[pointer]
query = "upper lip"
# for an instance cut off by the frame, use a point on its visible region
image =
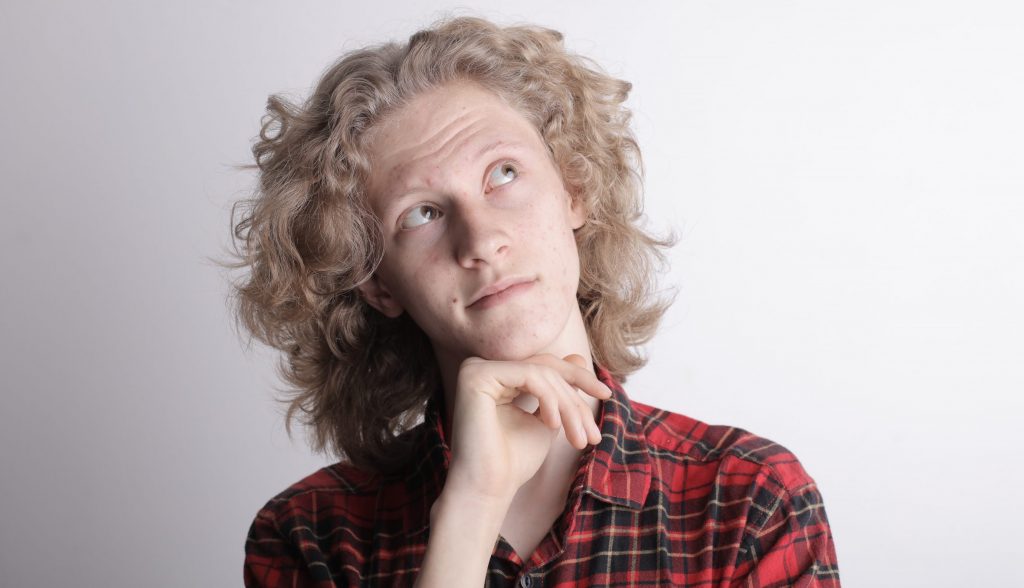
(496, 287)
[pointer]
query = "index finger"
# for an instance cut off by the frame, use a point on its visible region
(573, 370)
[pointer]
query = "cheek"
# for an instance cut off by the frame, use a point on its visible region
(421, 284)
(551, 233)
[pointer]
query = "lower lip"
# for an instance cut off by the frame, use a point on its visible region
(499, 297)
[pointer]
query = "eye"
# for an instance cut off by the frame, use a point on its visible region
(420, 215)
(502, 174)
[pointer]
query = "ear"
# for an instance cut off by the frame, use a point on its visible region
(577, 211)
(377, 295)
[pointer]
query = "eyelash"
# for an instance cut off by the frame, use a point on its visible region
(487, 190)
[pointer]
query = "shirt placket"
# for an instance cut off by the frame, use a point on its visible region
(530, 572)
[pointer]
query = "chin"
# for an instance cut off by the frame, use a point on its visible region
(509, 351)
(520, 342)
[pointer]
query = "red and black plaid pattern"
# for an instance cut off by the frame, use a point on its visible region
(664, 500)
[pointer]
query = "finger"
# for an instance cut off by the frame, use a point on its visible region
(572, 373)
(576, 434)
(560, 397)
(545, 388)
(544, 380)
(580, 361)
(593, 433)
(576, 359)
(552, 408)
(555, 406)
(575, 374)
(545, 416)
(596, 434)
(588, 431)
(593, 430)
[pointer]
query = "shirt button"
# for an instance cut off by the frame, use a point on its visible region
(526, 581)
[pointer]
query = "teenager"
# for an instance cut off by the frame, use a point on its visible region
(445, 243)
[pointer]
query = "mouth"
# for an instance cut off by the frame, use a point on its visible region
(499, 291)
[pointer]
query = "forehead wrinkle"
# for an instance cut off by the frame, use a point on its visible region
(394, 180)
(405, 173)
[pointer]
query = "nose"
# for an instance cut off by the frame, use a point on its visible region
(480, 237)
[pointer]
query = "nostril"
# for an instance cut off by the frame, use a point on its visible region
(482, 248)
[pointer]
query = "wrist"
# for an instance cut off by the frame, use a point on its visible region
(483, 508)
(463, 531)
(483, 490)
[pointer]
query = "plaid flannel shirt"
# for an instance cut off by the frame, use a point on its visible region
(663, 500)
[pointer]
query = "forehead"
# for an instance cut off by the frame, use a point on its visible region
(447, 126)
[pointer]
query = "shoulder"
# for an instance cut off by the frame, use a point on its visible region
(319, 525)
(340, 479)
(767, 509)
(337, 489)
(678, 437)
(333, 493)
(338, 496)
(295, 535)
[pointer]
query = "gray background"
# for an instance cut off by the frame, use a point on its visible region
(846, 178)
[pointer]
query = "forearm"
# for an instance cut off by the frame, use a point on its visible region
(462, 536)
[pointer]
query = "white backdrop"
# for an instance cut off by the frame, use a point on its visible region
(846, 179)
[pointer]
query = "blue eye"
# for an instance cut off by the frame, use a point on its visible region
(503, 174)
(420, 215)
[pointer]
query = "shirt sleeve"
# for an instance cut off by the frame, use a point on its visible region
(790, 546)
(271, 561)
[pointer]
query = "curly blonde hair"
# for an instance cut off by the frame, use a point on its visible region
(308, 237)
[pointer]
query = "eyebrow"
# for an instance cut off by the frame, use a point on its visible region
(485, 150)
(494, 146)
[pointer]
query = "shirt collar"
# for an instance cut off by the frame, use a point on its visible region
(616, 471)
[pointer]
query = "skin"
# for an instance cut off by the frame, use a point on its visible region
(427, 154)
(469, 197)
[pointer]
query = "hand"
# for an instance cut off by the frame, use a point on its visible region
(496, 445)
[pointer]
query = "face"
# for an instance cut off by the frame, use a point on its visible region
(478, 227)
